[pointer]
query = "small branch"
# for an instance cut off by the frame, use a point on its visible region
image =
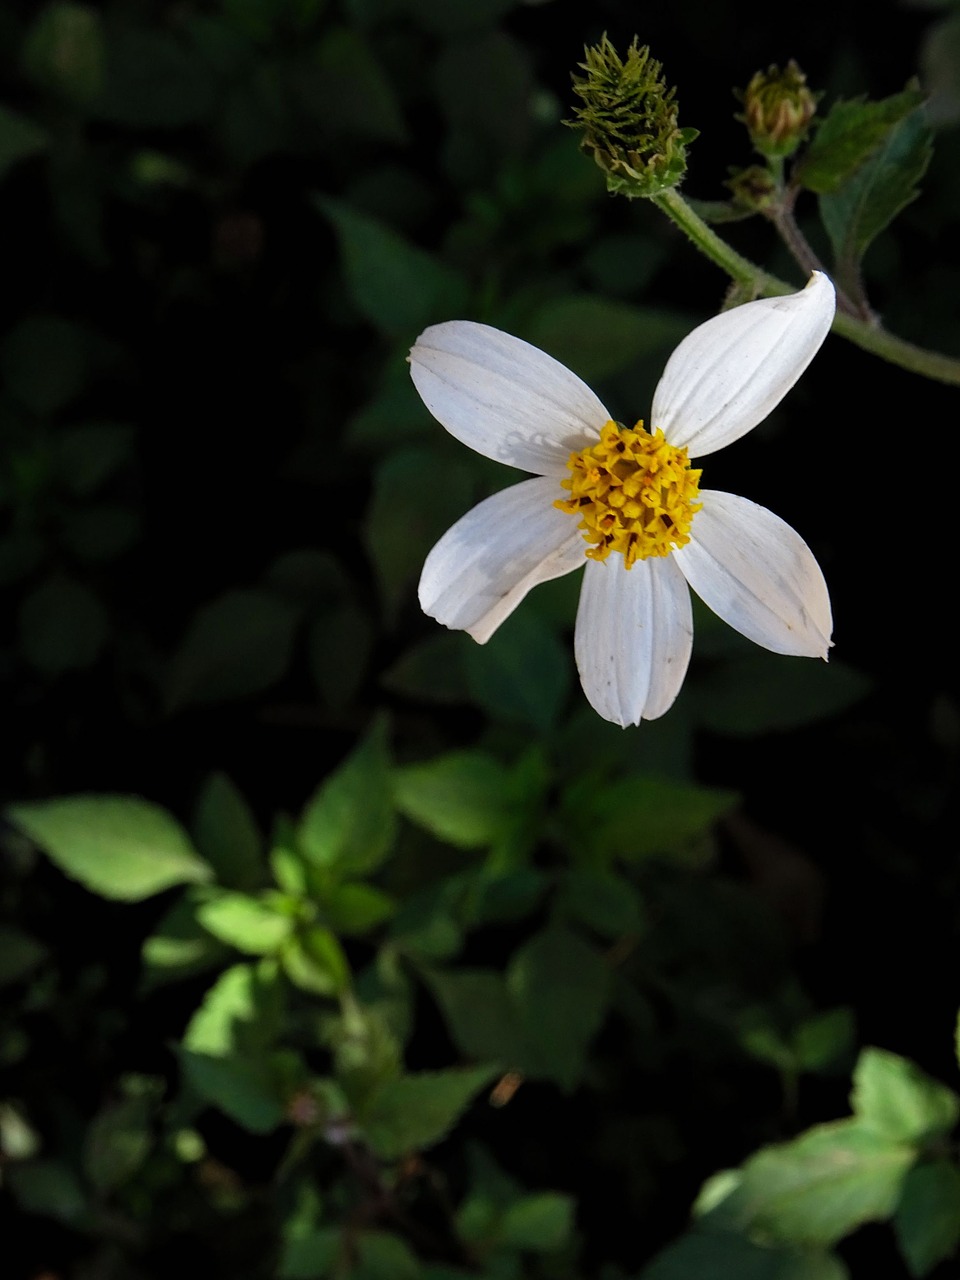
(868, 335)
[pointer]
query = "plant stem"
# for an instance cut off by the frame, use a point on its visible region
(869, 336)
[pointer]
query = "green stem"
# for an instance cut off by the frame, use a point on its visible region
(870, 337)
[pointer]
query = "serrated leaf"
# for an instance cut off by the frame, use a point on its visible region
(227, 834)
(252, 925)
(927, 1221)
(818, 1188)
(237, 645)
(848, 135)
(462, 798)
(893, 1097)
(867, 202)
(349, 824)
(416, 1111)
(397, 286)
(118, 846)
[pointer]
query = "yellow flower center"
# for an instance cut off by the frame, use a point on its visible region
(633, 492)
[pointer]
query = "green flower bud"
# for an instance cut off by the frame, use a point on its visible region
(629, 120)
(777, 110)
(753, 188)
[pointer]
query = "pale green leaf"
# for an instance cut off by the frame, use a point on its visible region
(893, 1097)
(118, 846)
(253, 925)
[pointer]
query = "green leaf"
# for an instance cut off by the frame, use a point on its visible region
(865, 205)
(44, 361)
(179, 946)
(818, 1188)
(349, 824)
(309, 1254)
(357, 908)
(153, 80)
(119, 1138)
(63, 52)
(597, 337)
(237, 645)
(227, 834)
(252, 925)
(523, 674)
(19, 138)
(432, 670)
(401, 526)
(62, 626)
(382, 1256)
(463, 798)
(540, 1223)
(48, 1188)
(894, 1098)
(339, 645)
(848, 135)
(638, 817)
(927, 1221)
(398, 287)
(19, 954)
(85, 457)
(762, 692)
(561, 989)
(607, 903)
(480, 1014)
(722, 1255)
(117, 846)
(416, 1111)
(315, 962)
(342, 87)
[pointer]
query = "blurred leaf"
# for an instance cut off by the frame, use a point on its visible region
(342, 87)
(44, 361)
(237, 645)
(605, 902)
(637, 817)
(266, 20)
(357, 908)
(540, 1223)
(152, 80)
(598, 337)
(179, 946)
(818, 1188)
(824, 1040)
(310, 1253)
(432, 669)
(349, 823)
(47, 1187)
(764, 692)
(865, 205)
(62, 626)
(227, 834)
(315, 962)
(927, 1221)
(63, 52)
(118, 846)
(848, 135)
(462, 798)
(523, 674)
(416, 1111)
(448, 19)
(397, 286)
(118, 1138)
(85, 457)
(722, 1255)
(480, 1014)
(895, 1099)
(250, 924)
(225, 1047)
(484, 128)
(100, 532)
(19, 138)
(417, 495)
(561, 988)
(339, 647)
(20, 953)
(382, 1256)
(939, 61)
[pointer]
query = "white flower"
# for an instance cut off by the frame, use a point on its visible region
(646, 531)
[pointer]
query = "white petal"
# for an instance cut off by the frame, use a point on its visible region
(503, 397)
(758, 575)
(728, 374)
(485, 564)
(633, 637)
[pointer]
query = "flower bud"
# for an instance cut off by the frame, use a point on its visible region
(753, 189)
(777, 109)
(629, 120)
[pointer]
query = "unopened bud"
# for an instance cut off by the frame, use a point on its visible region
(629, 120)
(777, 109)
(753, 189)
